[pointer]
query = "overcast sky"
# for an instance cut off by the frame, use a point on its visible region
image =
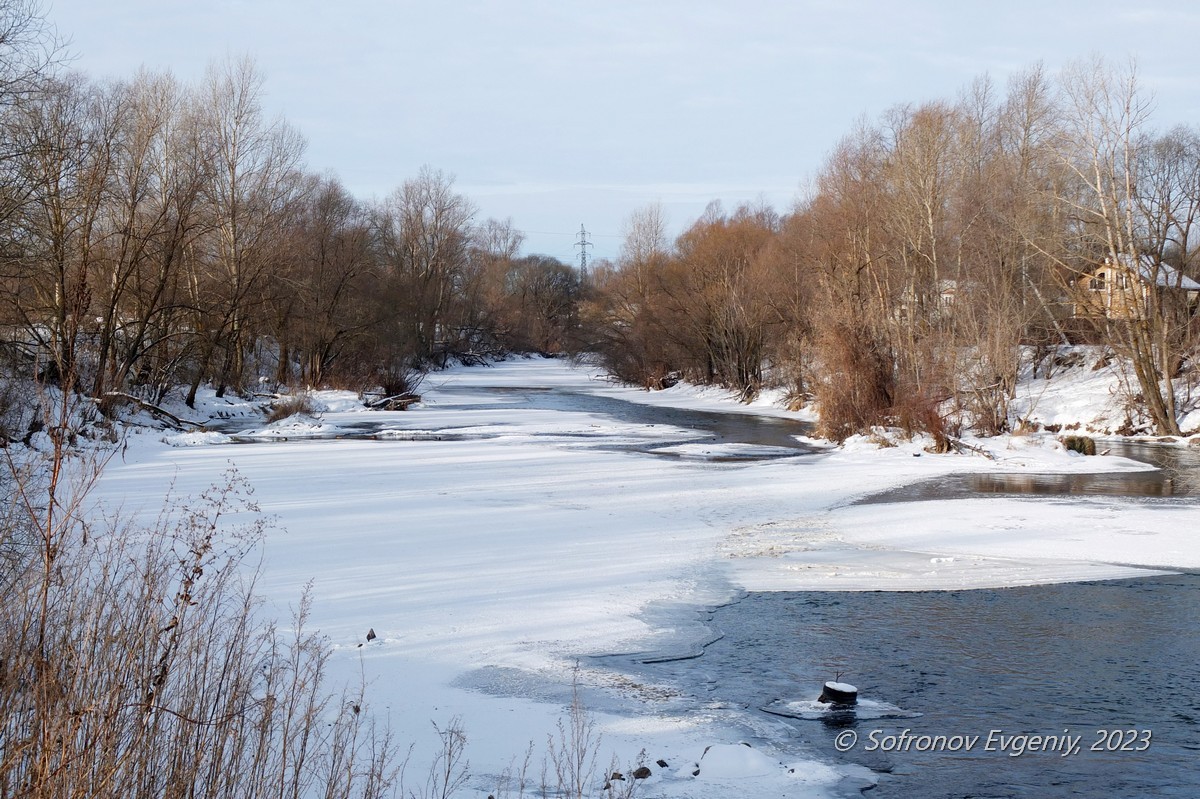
(558, 113)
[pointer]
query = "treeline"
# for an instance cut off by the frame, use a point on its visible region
(155, 234)
(938, 244)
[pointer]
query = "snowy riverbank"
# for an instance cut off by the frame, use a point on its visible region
(490, 545)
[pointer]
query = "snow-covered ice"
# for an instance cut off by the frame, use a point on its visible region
(729, 451)
(490, 539)
(198, 438)
(814, 710)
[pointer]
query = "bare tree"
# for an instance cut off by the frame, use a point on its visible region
(29, 56)
(425, 232)
(29, 50)
(68, 137)
(149, 224)
(485, 312)
(1168, 202)
(322, 293)
(1106, 114)
(645, 246)
(254, 182)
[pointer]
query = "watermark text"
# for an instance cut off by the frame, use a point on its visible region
(1063, 744)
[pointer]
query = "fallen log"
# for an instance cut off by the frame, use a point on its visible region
(961, 447)
(163, 413)
(397, 402)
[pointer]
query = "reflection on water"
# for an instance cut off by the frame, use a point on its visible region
(1178, 475)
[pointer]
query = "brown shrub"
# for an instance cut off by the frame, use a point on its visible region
(291, 405)
(916, 412)
(1084, 445)
(857, 388)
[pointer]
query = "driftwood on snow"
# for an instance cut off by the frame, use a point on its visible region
(397, 402)
(960, 446)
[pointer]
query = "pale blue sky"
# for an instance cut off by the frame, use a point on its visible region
(562, 112)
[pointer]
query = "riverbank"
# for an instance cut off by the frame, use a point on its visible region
(491, 543)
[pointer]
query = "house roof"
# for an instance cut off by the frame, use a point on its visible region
(1162, 274)
(1168, 276)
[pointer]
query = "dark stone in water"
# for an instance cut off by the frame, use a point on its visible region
(838, 693)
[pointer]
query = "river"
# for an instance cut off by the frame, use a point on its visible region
(1055, 660)
(1110, 669)
(1072, 659)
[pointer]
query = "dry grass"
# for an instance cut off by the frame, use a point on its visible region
(292, 405)
(136, 663)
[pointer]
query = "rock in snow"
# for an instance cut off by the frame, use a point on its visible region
(733, 761)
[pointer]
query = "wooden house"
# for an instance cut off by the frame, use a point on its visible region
(1118, 290)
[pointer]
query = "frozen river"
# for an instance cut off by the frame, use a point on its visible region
(1109, 668)
(528, 516)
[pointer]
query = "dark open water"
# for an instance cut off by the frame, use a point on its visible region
(1084, 657)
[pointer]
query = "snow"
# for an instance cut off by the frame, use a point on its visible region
(731, 451)
(730, 770)
(210, 406)
(299, 426)
(735, 761)
(1150, 268)
(491, 547)
(706, 398)
(1087, 394)
(197, 438)
(863, 710)
(844, 687)
(338, 401)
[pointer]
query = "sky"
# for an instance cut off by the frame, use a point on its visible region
(559, 113)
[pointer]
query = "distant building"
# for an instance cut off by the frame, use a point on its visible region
(1117, 290)
(944, 308)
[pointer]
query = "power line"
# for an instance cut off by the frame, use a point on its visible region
(583, 244)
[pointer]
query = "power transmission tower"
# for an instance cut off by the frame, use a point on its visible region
(583, 244)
